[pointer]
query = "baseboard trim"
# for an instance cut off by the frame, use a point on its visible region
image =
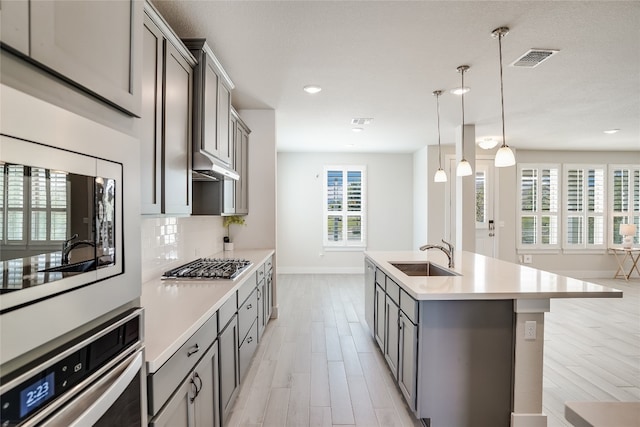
(320, 270)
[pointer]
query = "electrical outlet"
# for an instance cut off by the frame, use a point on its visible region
(530, 330)
(528, 259)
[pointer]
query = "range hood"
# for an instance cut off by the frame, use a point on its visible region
(209, 168)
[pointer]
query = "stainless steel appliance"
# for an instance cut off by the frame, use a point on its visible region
(97, 379)
(60, 219)
(209, 269)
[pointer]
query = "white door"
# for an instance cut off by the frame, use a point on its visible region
(485, 202)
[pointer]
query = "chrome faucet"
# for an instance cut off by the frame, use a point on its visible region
(448, 251)
(67, 247)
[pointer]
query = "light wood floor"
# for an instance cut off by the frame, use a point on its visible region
(318, 366)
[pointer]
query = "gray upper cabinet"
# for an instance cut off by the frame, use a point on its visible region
(212, 103)
(167, 83)
(241, 162)
(93, 44)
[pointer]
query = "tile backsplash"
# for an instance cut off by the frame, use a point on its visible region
(170, 241)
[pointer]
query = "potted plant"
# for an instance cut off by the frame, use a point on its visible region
(228, 220)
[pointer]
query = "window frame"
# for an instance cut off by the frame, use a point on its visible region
(585, 214)
(345, 244)
(538, 213)
(632, 214)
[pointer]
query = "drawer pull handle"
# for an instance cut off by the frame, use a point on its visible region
(193, 350)
(249, 340)
(249, 306)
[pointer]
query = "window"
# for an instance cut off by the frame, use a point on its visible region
(624, 200)
(584, 207)
(481, 197)
(344, 206)
(538, 206)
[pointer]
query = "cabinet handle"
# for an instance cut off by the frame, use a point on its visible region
(249, 340)
(193, 350)
(259, 294)
(198, 389)
(195, 391)
(249, 306)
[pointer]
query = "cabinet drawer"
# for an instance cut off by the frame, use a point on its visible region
(268, 266)
(248, 349)
(247, 314)
(260, 274)
(246, 288)
(163, 382)
(380, 278)
(226, 312)
(393, 290)
(409, 306)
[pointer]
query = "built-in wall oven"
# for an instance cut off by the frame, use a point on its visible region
(97, 379)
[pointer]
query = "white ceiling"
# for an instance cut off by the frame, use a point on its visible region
(383, 59)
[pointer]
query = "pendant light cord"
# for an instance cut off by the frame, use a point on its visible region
(439, 150)
(462, 73)
(504, 141)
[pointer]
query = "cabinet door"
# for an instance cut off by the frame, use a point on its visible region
(151, 119)
(210, 114)
(177, 133)
(369, 292)
(407, 363)
(14, 25)
(242, 167)
(207, 403)
(379, 317)
(95, 44)
(269, 299)
(391, 335)
(179, 410)
(225, 147)
(262, 308)
(229, 367)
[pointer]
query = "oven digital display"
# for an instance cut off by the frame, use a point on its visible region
(36, 394)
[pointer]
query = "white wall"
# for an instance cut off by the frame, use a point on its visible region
(420, 192)
(299, 223)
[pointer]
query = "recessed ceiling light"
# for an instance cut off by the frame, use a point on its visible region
(357, 129)
(312, 89)
(612, 131)
(460, 90)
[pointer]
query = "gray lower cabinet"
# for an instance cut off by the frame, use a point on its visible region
(166, 120)
(369, 292)
(229, 367)
(407, 358)
(379, 313)
(391, 341)
(194, 404)
(104, 61)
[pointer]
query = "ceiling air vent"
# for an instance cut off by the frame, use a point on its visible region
(534, 57)
(360, 122)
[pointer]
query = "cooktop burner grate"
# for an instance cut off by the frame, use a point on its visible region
(208, 269)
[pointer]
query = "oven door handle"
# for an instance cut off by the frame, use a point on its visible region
(118, 385)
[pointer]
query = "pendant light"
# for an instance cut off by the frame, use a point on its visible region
(504, 156)
(464, 167)
(441, 175)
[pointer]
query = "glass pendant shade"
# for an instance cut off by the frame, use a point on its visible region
(504, 157)
(464, 168)
(440, 176)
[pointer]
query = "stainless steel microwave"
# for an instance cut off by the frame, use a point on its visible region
(60, 221)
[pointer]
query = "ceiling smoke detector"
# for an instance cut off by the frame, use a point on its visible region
(360, 122)
(534, 57)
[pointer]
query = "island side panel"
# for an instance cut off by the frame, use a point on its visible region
(529, 361)
(466, 362)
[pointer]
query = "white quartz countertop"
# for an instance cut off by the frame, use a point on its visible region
(175, 309)
(483, 277)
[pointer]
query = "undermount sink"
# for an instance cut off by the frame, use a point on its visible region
(422, 269)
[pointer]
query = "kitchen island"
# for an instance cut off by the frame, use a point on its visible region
(465, 344)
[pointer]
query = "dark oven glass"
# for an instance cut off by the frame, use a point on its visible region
(126, 410)
(53, 224)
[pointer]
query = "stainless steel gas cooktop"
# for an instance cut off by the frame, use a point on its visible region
(209, 269)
